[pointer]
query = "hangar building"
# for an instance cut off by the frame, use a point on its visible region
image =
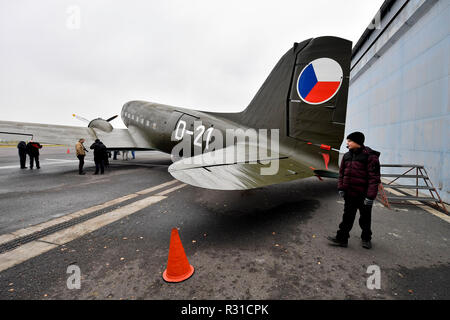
(399, 87)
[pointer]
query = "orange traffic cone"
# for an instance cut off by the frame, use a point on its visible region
(178, 267)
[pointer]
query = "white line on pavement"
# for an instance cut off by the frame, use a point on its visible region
(39, 227)
(35, 248)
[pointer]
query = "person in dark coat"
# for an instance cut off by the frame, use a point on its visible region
(100, 154)
(33, 153)
(359, 177)
(22, 147)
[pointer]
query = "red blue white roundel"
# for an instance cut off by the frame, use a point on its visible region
(319, 81)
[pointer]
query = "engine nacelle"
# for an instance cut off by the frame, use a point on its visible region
(100, 124)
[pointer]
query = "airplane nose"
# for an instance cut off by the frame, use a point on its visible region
(131, 104)
(135, 110)
(126, 111)
(126, 106)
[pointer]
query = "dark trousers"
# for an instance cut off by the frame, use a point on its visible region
(99, 165)
(352, 204)
(23, 159)
(81, 163)
(34, 159)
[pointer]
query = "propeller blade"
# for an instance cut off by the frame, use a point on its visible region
(112, 118)
(80, 118)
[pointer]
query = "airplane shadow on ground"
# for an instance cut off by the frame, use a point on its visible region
(113, 168)
(275, 213)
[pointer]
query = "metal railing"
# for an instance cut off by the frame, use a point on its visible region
(413, 171)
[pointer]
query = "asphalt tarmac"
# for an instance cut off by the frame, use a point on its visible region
(267, 243)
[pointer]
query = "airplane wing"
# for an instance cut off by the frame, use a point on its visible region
(213, 171)
(130, 138)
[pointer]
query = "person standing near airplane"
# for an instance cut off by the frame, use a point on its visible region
(22, 146)
(99, 156)
(33, 152)
(359, 177)
(81, 153)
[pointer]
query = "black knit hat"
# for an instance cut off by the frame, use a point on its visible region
(357, 137)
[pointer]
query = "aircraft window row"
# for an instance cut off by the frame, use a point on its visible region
(138, 119)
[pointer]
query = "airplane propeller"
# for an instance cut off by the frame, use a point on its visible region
(112, 118)
(80, 118)
(99, 123)
(87, 121)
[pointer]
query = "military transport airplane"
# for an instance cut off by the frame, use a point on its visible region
(304, 98)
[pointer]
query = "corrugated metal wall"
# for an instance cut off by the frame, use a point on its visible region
(401, 101)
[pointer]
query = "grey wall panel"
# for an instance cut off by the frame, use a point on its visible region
(401, 100)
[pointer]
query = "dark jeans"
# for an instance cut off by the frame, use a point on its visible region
(81, 164)
(352, 204)
(36, 159)
(99, 164)
(23, 159)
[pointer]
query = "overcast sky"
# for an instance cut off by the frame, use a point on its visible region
(90, 57)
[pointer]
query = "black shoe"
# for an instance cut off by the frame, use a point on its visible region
(95, 173)
(367, 244)
(337, 242)
(23, 167)
(38, 167)
(31, 168)
(82, 173)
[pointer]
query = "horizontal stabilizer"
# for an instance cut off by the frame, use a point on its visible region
(206, 171)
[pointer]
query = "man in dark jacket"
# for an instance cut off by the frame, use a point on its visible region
(100, 154)
(22, 146)
(359, 177)
(33, 152)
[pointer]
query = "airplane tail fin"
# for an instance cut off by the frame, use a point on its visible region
(305, 95)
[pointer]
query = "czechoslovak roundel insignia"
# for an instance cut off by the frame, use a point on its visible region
(319, 81)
